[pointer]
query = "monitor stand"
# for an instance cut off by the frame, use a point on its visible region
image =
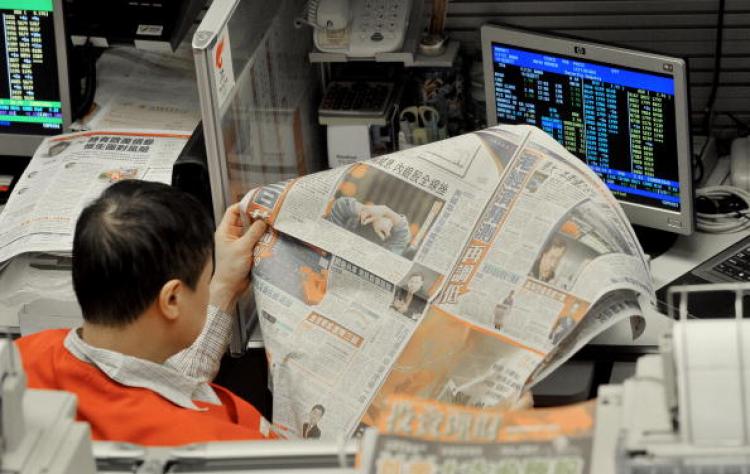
(654, 242)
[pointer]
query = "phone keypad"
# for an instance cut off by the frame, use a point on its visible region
(379, 26)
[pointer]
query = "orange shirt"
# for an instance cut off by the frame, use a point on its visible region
(137, 415)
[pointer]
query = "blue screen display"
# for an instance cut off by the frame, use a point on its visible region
(618, 120)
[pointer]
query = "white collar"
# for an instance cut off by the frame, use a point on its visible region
(163, 379)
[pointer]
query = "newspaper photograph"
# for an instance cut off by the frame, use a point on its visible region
(419, 436)
(462, 271)
(67, 172)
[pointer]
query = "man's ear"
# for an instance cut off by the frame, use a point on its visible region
(168, 300)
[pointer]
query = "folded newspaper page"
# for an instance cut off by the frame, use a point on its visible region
(426, 437)
(462, 271)
(69, 171)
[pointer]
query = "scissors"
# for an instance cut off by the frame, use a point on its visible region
(420, 124)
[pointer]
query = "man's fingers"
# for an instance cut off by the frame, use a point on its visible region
(231, 219)
(253, 234)
(524, 403)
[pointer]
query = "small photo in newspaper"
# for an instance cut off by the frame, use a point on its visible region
(535, 182)
(578, 239)
(299, 268)
(571, 314)
(383, 209)
(414, 291)
(451, 360)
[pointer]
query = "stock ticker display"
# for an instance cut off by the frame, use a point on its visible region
(619, 121)
(29, 87)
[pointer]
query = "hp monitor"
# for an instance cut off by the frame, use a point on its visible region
(623, 112)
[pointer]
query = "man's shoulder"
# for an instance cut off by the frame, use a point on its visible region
(41, 355)
(41, 341)
(343, 208)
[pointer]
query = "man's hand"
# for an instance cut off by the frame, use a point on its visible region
(381, 217)
(382, 227)
(400, 305)
(234, 258)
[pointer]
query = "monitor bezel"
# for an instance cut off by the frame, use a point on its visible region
(25, 144)
(680, 222)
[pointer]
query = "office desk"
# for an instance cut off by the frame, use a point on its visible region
(687, 253)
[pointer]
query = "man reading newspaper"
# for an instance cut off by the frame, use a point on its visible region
(146, 275)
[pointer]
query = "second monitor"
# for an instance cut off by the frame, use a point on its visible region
(623, 112)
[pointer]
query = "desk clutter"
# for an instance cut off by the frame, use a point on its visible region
(419, 125)
(366, 119)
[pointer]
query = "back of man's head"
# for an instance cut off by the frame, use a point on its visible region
(132, 240)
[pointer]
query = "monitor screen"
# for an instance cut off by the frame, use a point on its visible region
(619, 120)
(30, 101)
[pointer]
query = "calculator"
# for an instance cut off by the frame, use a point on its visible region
(356, 99)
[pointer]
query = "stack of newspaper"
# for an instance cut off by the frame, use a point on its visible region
(463, 271)
(37, 223)
(425, 437)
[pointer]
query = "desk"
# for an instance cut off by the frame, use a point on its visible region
(686, 254)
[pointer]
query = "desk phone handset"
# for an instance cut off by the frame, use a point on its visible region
(359, 28)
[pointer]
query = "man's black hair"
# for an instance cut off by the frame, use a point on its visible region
(319, 407)
(132, 240)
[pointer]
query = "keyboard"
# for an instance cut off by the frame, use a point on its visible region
(735, 266)
(731, 265)
(356, 99)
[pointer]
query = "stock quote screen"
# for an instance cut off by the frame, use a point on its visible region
(29, 87)
(619, 121)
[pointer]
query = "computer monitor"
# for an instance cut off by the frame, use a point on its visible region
(34, 94)
(623, 112)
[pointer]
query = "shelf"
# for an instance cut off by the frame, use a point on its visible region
(407, 58)
(409, 55)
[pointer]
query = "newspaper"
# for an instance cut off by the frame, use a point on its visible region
(462, 271)
(417, 436)
(69, 171)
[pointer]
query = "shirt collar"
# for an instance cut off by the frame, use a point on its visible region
(167, 382)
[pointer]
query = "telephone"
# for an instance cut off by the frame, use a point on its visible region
(740, 163)
(359, 28)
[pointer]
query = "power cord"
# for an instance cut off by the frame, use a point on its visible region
(743, 129)
(707, 126)
(722, 209)
(718, 53)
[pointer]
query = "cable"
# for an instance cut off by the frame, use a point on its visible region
(731, 206)
(88, 56)
(741, 126)
(698, 168)
(718, 52)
